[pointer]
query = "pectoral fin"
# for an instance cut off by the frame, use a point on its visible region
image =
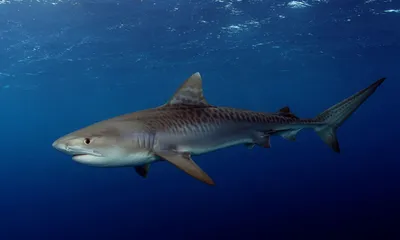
(143, 170)
(184, 162)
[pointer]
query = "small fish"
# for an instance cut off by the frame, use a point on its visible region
(188, 125)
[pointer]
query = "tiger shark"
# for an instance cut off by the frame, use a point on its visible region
(188, 125)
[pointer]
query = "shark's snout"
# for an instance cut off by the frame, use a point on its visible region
(60, 146)
(55, 144)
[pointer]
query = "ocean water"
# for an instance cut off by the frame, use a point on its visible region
(65, 64)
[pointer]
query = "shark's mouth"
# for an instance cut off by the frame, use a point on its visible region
(79, 154)
(76, 152)
(86, 156)
(94, 154)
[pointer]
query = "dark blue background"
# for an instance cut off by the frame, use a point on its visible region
(65, 65)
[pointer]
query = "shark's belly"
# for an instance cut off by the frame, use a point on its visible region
(138, 159)
(134, 159)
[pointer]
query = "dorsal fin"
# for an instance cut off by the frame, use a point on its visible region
(285, 111)
(189, 93)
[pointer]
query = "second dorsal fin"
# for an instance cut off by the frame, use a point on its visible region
(189, 93)
(285, 111)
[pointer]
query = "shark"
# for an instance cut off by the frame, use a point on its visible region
(187, 125)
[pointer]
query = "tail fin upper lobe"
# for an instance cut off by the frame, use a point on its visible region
(337, 114)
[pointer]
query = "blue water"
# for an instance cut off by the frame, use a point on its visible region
(67, 64)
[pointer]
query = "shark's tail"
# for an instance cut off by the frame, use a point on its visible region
(337, 114)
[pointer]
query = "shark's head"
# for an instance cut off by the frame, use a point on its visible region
(97, 146)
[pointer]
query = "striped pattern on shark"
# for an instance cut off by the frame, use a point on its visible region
(188, 125)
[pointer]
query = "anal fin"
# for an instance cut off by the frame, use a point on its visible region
(184, 162)
(290, 134)
(143, 170)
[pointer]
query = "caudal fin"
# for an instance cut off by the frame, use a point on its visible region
(337, 114)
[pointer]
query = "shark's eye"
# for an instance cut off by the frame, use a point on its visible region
(86, 141)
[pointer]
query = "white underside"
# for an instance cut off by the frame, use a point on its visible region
(134, 159)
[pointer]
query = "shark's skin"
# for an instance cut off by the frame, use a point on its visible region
(187, 125)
